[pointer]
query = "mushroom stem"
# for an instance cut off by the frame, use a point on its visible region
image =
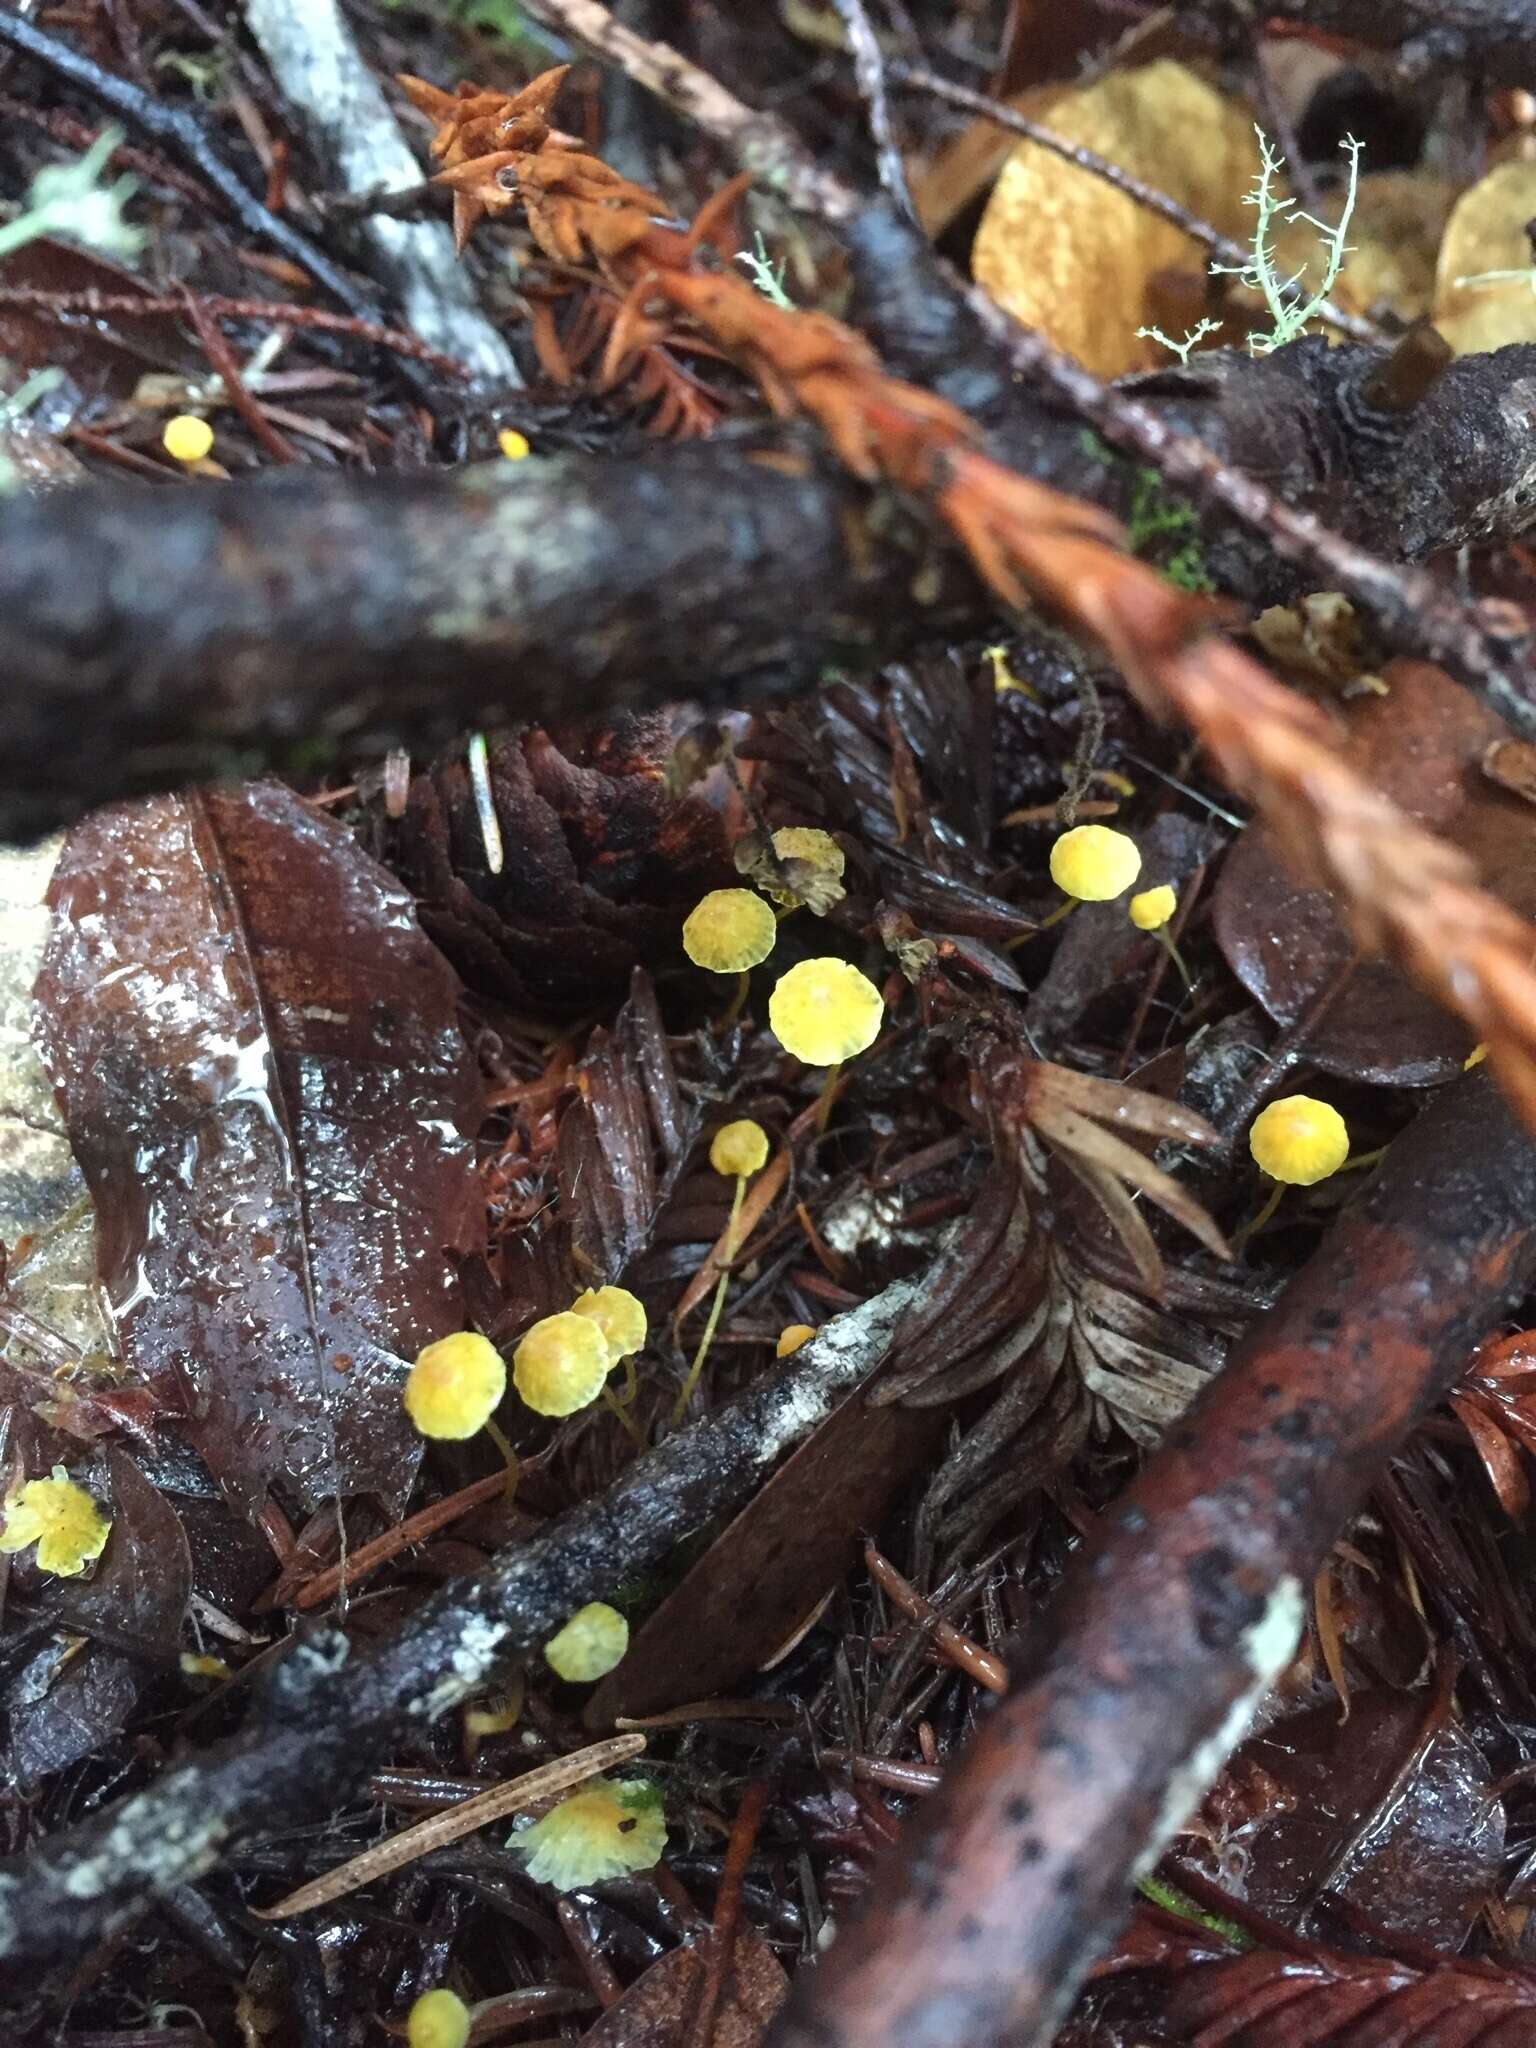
(686, 1395)
(1163, 938)
(828, 1096)
(1259, 1221)
(498, 1437)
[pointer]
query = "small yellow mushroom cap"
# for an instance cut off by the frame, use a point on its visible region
(1299, 1140)
(791, 1337)
(61, 1518)
(1094, 863)
(455, 1386)
(1153, 908)
(591, 1643)
(187, 438)
(620, 1316)
(513, 445)
(607, 1829)
(561, 1364)
(438, 2019)
(824, 1011)
(740, 1148)
(729, 930)
(825, 859)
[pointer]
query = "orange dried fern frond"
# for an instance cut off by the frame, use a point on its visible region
(1409, 894)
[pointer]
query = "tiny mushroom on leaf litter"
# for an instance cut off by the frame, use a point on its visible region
(818, 878)
(740, 1148)
(729, 931)
(608, 1829)
(791, 1337)
(737, 1151)
(455, 1386)
(438, 2019)
(1299, 1140)
(61, 1518)
(561, 1364)
(825, 1011)
(1094, 863)
(592, 1642)
(620, 1316)
(1151, 910)
(187, 439)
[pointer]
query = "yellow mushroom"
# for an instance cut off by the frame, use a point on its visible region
(609, 1828)
(561, 1364)
(729, 931)
(513, 445)
(620, 1316)
(61, 1518)
(1151, 910)
(438, 2019)
(740, 1148)
(791, 1337)
(187, 439)
(592, 1642)
(1299, 1140)
(1094, 863)
(825, 1011)
(455, 1386)
(818, 884)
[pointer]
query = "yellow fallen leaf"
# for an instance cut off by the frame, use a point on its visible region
(1069, 255)
(1486, 232)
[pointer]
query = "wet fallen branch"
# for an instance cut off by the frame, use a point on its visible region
(325, 1720)
(151, 638)
(1182, 1611)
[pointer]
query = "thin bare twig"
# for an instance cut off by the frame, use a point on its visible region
(969, 1656)
(869, 70)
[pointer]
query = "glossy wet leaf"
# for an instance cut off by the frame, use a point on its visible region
(767, 1570)
(658, 2008)
(257, 1056)
(1422, 745)
(1389, 1810)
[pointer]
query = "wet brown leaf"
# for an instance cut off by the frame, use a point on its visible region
(1388, 1810)
(658, 2008)
(769, 1568)
(257, 1056)
(1422, 746)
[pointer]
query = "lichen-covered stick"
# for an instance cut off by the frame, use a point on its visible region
(326, 1719)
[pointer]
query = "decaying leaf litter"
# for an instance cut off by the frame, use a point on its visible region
(1128, 1322)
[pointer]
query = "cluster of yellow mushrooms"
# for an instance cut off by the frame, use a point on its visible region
(1297, 1140)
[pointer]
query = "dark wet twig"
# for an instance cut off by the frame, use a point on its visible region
(185, 135)
(1496, 38)
(326, 1716)
(96, 305)
(1186, 1604)
(1491, 648)
(1219, 246)
(869, 70)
